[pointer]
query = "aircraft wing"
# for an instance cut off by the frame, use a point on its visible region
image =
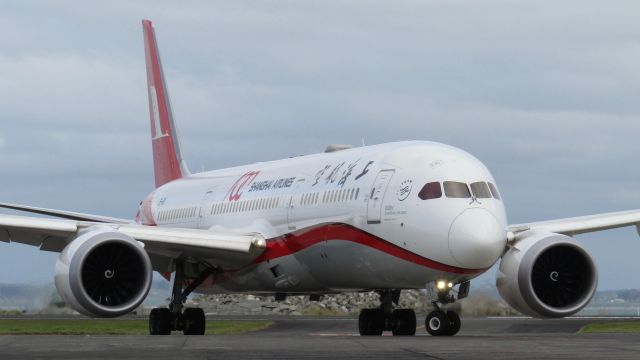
(582, 224)
(65, 214)
(226, 249)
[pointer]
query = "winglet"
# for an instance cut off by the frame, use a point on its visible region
(168, 162)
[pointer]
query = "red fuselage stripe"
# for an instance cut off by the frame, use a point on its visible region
(296, 241)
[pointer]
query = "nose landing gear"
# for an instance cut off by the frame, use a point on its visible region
(442, 322)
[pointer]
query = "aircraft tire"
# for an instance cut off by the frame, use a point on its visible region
(404, 322)
(160, 321)
(371, 322)
(437, 323)
(194, 321)
(454, 323)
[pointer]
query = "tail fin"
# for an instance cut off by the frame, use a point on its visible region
(168, 163)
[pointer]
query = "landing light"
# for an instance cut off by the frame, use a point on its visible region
(442, 285)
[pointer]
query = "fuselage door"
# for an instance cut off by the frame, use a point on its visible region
(376, 196)
(205, 205)
(294, 202)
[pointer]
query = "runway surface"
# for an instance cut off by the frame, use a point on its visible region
(336, 338)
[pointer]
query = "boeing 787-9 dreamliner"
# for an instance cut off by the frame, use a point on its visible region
(402, 215)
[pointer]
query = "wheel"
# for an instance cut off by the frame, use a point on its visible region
(194, 321)
(363, 322)
(371, 322)
(437, 323)
(454, 323)
(160, 321)
(404, 322)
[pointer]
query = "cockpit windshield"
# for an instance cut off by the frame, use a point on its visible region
(431, 190)
(494, 191)
(481, 190)
(459, 190)
(454, 189)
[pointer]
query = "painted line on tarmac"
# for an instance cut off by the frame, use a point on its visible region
(510, 318)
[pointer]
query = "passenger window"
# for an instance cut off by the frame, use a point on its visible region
(481, 190)
(494, 191)
(454, 189)
(431, 190)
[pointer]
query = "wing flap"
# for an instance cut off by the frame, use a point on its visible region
(582, 224)
(193, 238)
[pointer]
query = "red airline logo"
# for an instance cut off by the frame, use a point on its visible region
(236, 189)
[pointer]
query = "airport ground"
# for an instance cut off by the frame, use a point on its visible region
(336, 338)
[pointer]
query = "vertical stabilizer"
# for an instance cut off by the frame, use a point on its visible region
(168, 163)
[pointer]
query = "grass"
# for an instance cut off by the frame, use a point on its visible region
(113, 327)
(613, 327)
(9, 312)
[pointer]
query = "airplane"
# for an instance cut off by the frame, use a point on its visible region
(384, 218)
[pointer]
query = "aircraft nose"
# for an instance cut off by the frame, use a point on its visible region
(476, 239)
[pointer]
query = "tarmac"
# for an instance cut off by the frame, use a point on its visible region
(337, 338)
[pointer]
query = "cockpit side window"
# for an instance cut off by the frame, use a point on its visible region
(494, 191)
(454, 189)
(480, 190)
(431, 190)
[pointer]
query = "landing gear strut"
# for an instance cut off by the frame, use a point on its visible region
(399, 321)
(191, 321)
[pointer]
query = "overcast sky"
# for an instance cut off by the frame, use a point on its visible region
(545, 93)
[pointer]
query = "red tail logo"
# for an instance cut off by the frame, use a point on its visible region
(167, 158)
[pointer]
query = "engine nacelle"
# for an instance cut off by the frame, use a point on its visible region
(547, 275)
(103, 273)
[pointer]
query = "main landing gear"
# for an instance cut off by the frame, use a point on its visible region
(439, 322)
(399, 321)
(191, 321)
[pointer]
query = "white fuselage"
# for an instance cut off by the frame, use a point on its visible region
(345, 220)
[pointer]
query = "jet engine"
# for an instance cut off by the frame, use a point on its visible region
(103, 273)
(547, 275)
